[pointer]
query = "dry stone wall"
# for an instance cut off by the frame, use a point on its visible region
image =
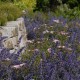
(15, 33)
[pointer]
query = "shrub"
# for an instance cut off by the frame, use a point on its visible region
(25, 4)
(3, 19)
(8, 12)
(46, 5)
(66, 12)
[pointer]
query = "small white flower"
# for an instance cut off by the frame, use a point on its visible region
(22, 64)
(64, 47)
(29, 50)
(18, 66)
(63, 33)
(49, 50)
(45, 24)
(55, 40)
(51, 32)
(38, 42)
(69, 49)
(41, 60)
(61, 47)
(38, 28)
(36, 49)
(51, 26)
(7, 59)
(24, 11)
(35, 28)
(29, 41)
(46, 31)
(57, 21)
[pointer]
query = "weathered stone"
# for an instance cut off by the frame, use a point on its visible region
(8, 31)
(11, 42)
(15, 32)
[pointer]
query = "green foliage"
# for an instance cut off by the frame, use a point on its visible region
(78, 48)
(72, 3)
(21, 5)
(3, 19)
(25, 4)
(67, 8)
(8, 12)
(9, 0)
(46, 5)
(52, 4)
(68, 13)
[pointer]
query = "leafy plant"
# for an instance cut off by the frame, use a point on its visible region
(8, 12)
(25, 4)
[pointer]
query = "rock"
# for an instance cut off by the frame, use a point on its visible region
(11, 42)
(15, 32)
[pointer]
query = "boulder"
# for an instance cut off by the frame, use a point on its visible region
(15, 32)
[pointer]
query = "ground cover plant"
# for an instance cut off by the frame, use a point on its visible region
(53, 51)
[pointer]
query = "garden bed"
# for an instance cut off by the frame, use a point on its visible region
(52, 52)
